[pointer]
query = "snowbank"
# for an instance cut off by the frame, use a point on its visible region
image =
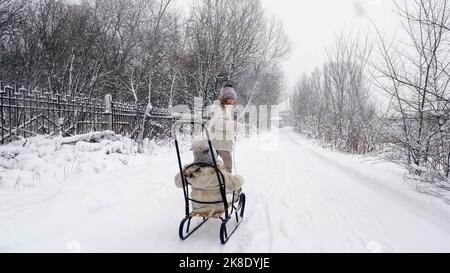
(47, 160)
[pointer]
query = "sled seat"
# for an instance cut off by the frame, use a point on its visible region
(206, 214)
(218, 213)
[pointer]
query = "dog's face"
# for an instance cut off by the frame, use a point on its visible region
(202, 153)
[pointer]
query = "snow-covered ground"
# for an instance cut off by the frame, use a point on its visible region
(300, 198)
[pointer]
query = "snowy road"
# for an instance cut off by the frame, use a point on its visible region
(301, 198)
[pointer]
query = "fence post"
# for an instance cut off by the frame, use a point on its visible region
(3, 122)
(109, 112)
(247, 124)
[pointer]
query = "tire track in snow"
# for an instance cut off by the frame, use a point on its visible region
(300, 201)
(269, 226)
(258, 214)
(382, 189)
(346, 227)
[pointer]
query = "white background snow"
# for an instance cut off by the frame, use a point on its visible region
(300, 198)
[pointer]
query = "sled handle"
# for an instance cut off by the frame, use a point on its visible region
(189, 122)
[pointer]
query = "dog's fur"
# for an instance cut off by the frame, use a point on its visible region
(204, 182)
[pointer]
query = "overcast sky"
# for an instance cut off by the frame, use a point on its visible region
(313, 25)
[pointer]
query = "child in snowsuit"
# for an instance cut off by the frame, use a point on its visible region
(222, 125)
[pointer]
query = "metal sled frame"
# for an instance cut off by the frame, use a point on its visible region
(185, 230)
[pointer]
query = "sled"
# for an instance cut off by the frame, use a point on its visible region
(233, 207)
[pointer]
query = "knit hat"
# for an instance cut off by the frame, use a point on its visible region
(228, 92)
(202, 153)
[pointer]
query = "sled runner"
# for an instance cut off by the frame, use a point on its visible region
(233, 206)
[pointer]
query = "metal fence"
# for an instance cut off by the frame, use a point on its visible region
(25, 112)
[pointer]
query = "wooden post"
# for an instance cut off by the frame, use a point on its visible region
(247, 124)
(258, 119)
(109, 112)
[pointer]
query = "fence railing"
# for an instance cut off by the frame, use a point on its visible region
(25, 112)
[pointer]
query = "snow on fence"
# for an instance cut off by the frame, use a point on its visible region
(25, 112)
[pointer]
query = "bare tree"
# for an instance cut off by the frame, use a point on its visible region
(231, 41)
(334, 103)
(11, 12)
(275, 47)
(416, 77)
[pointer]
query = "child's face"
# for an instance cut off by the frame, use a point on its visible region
(230, 102)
